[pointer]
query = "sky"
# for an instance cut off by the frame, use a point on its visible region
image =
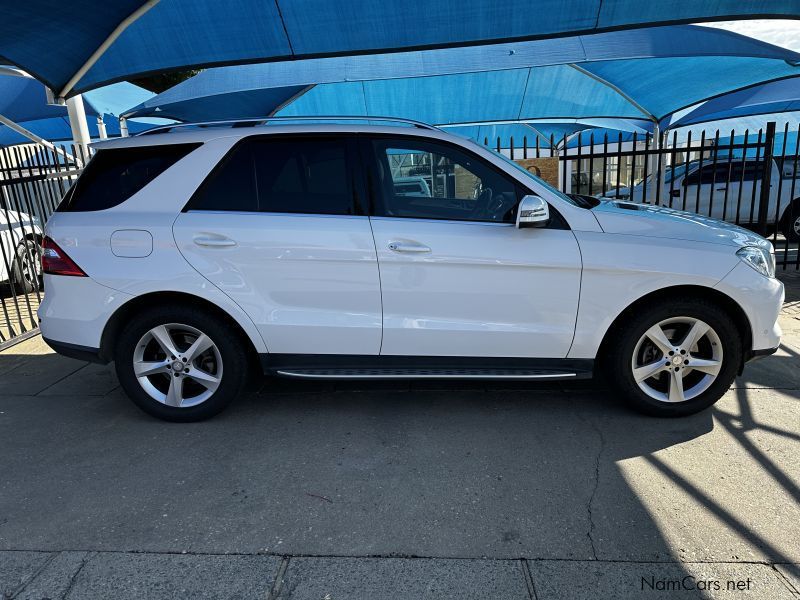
(780, 32)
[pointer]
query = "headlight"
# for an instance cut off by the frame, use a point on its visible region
(761, 259)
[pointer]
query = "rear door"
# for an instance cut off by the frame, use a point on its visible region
(279, 227)
(458, 278)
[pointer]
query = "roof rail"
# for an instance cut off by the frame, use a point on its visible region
(256, 122)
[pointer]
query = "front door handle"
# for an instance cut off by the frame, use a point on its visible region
(214, 242)
(408, 247)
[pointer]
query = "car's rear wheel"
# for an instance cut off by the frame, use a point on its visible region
(674, 358)
(180, 364)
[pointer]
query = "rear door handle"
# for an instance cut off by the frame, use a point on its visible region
(214, 242)
(722, 189)
(408, 247)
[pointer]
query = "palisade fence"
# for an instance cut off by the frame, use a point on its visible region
(33, 179)
(750, 178)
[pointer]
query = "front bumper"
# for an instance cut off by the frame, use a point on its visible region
(761, 299)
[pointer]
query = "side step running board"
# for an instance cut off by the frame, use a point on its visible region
(395, 373)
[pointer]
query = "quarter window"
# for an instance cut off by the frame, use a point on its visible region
(114, 175)
(429, 180)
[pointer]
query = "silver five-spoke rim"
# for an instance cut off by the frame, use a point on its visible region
(177, 365)
(677, 359)
(797, 226)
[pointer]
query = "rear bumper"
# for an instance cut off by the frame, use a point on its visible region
(75, 310)
(86, 353)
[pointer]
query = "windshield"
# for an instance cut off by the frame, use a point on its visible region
(540, 181)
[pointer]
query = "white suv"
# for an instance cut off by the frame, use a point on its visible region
(195, 256)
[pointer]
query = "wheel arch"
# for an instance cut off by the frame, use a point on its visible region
(728, 304)
(117, 320)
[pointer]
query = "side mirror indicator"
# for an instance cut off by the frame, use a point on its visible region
(533, 211)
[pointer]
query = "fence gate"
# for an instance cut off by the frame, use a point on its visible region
(32, 182)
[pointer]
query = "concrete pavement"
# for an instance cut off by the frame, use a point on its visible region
(391, 490)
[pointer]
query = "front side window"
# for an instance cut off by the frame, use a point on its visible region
(429, 180)
(302, 175)
(710, 174)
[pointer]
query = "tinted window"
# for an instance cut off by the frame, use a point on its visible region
(429, 180)
(113, 176)
(710, 173)
(287, 176)
(752, 171)
(232, 185)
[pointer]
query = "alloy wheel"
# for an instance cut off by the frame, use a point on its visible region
(30, 265)
(177, 365)
(677, 359)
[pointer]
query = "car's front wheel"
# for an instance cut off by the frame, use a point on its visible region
(674, 358)
(180, 364)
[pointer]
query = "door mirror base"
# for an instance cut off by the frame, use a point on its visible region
(533, 211)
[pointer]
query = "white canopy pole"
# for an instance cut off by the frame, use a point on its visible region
(101, 128)
(76, 77)
(77, 121)
(123, 127)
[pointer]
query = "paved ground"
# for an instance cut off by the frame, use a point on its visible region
(17, 313)
(314, 491)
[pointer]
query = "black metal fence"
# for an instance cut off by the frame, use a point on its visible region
(32, 181)
(746, 178)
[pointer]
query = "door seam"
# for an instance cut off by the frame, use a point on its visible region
(380, 282)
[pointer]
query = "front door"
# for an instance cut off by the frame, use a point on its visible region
(457, 277)
(279, 228)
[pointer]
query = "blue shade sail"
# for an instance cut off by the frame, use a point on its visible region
(53, 39)
(57, 129)
(24, 101)
(769, 98)
(23, 98)
(642, 74)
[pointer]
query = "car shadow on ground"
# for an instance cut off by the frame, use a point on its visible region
(438, 468)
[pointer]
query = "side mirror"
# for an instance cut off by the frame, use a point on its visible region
(532, 211)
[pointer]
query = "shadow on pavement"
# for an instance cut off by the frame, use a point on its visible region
(440, 469)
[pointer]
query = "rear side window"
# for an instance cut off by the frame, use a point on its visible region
(113, 176)
(311, 176)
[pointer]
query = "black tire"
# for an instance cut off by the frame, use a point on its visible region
(620, 347)
(26, 269)
(790, 221)
(230, 346)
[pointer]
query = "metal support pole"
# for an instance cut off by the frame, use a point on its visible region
(123, 127)
(652, 166)
(101, 128)
(766, 180)
(77, 121)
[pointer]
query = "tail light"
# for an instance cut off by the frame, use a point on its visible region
(56, 262)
